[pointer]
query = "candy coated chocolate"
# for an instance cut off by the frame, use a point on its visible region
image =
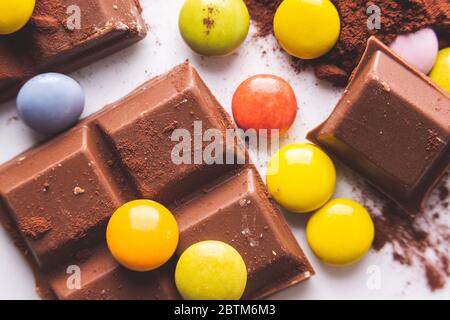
(50, 102)
(419, 49)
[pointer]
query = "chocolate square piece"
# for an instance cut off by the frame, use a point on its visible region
(149, 120)
(392, 126)
(59, 196)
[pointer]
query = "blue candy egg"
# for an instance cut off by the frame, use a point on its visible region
(50, 102)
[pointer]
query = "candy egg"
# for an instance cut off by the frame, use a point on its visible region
(441, 70)
(265, 102)
(341, 232)
(419, 49)
(50, 102)
(307, 29)
(142, 235)
(15, 14)
(214, 27)
(301, 177)
(211, 270)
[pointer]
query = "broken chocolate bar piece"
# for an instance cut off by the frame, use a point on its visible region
(233, 209)
(64, 35)
(60, 196)
(392, 126)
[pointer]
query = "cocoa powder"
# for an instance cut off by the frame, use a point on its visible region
(421, 240)
(397, 17)
(35, 227)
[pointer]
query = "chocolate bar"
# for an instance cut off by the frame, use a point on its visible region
(60, 196)
(392, 126)
(64, 35)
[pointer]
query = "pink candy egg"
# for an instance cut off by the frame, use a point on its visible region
(419, 48)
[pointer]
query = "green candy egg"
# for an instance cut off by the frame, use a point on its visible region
(214, 27)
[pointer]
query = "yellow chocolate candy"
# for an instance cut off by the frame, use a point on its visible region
(307, 29)
(14, 14)
(441, 70)
(142, 235)
(211, 270)
(341, 232)
(301, 177)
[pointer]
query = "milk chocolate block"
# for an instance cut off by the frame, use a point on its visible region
(60, 196)
(64, 35)
(233, 209)
(392, 126)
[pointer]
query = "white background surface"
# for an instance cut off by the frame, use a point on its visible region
(115, 76)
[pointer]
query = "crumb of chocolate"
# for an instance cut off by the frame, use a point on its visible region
(35, 227)
(78, 190)
(386, 86)
(45, 186)
(433, 140)
(331, 73)
(435, 279)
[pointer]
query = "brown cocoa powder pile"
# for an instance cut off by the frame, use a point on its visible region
(397, 17)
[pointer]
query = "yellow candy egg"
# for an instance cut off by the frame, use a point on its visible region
(441, 70)
(307, 29)
(301, 177)
(341, 232)
(14, 14)
(142, 235)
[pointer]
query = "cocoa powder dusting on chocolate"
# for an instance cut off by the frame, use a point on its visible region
(35, 227)
(433, 141)
(397, 17)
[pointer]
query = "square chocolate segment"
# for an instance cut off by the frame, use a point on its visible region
(141, 134)
(392, 126)
(58, 196)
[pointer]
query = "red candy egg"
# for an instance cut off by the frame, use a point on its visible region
(265, 102)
